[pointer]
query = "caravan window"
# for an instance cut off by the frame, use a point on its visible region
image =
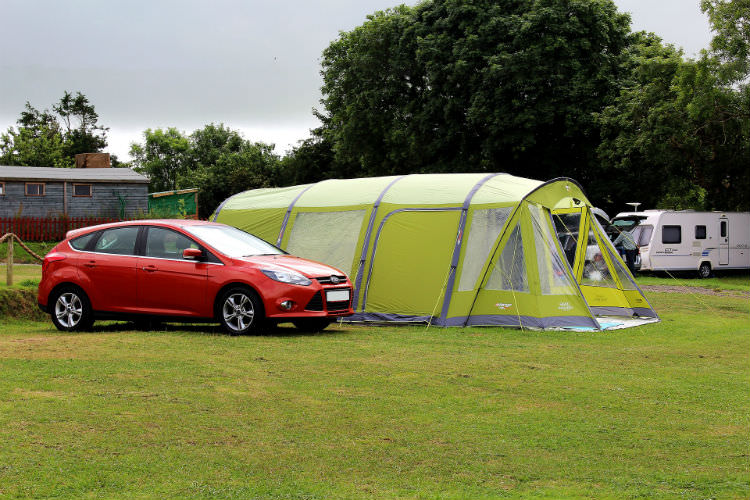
(671, 234)
(700, 232)
(723, 229)
(642, 235)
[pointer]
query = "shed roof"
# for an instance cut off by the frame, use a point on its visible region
(51, 174)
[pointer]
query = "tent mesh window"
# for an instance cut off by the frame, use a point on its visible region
(595, 270)
(554, 278)
(509, 272)
(567, 226)
(624, 276)
(486, 225)
(328, 237)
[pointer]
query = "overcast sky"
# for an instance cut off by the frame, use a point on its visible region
(252, 65)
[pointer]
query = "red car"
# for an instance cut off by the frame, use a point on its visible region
(179, 270)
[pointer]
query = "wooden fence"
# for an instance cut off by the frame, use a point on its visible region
(44, 229)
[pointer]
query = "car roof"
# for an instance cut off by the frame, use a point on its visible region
(142, 222)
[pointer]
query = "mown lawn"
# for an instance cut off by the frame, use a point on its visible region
(661, 411)
(25, 275)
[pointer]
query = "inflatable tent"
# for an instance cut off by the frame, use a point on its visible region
(454, 249)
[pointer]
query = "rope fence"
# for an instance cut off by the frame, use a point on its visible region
(10, 237)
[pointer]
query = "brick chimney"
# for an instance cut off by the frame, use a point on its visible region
(92, 160)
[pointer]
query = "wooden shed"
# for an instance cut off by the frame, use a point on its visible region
(72, 192)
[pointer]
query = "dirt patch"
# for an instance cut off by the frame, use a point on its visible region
(694, 290)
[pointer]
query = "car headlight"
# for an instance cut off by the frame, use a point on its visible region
(286, 277)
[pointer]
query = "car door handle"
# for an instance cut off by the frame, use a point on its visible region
(149, 269)
(91, 263)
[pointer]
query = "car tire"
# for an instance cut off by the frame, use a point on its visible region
(70, 309)
(240, 311)
(312, 325)
(704, 271)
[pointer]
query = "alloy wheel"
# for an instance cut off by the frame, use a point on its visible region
(69, 309)
(238, 312)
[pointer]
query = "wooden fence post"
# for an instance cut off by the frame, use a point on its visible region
(9, 266)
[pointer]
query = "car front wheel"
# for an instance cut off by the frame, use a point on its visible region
(240, 311)
(71, 310)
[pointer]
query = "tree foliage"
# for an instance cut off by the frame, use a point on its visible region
(216, 159)
(730, 20)
(53, 138)
(678, 134)
(162, 157)
(539, 88)
(454, 86)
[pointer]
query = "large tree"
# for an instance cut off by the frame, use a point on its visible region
(223, 163)
(644, 154)
(217, 160)
(82, 132)
(53, 138)
(456, 85)
(162, 157)
(678, 134)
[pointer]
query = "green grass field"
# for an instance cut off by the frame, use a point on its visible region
(660, 411)
(26, 275)
(727, 280)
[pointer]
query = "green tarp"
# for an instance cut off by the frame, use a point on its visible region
(182, 203)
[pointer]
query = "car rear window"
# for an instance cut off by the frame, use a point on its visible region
(120, 241)
(81, 242)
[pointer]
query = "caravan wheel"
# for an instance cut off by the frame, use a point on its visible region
(704, 271)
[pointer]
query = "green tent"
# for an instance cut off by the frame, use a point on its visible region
(454, 249)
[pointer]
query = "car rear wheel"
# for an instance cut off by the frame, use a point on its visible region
(704, 271)
(71, 310)
(240, 311)
(311, 324)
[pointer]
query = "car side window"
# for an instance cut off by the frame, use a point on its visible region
(119, 241)
(167, 244)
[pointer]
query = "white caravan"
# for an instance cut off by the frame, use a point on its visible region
(686, 240)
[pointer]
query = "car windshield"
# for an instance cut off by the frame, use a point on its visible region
(233, 242)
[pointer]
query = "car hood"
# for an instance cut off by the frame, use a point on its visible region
(309, 268)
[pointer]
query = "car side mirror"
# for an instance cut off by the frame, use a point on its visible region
(192, 253)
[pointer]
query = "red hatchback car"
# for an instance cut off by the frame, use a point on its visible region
(190, 271)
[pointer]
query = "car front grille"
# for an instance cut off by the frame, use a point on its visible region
(326, 280)
(316, 303)
(338, 306)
